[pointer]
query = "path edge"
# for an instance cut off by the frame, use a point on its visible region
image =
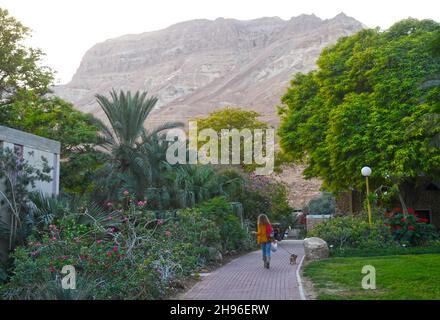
(299, 280)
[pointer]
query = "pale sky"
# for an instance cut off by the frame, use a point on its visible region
(66, 29)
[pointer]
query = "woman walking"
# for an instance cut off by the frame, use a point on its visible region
(264, 235)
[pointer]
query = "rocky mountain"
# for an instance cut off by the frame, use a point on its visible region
(197, 66)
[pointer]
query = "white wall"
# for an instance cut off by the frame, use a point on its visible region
(33, 157)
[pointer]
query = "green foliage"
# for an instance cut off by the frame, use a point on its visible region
(323, 204)
(228, 119)
(356, 109)
(347, 232)
(19, 65)
(232, 233)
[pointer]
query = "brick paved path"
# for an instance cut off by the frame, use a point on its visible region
(245, 278)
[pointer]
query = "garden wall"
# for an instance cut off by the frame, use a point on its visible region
(30, 148)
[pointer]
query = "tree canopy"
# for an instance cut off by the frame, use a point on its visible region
(232, 118)
(366, 105)
(20, 66)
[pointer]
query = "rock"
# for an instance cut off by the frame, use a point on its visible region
(215, 254)
(315, 249)
(196, 66)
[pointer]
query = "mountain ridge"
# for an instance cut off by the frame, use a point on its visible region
(197, 66)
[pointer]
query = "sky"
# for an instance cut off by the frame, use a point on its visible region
(66, 29)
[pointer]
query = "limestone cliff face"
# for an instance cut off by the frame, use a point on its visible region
(197, 66)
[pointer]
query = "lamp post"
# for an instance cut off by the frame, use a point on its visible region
(366, 172)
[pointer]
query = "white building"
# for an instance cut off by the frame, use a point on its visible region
(30, 148)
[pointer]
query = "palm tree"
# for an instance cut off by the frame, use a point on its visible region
(129, 147)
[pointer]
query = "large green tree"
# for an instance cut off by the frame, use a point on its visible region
(20, 66)
(366, 105)
(232, 118)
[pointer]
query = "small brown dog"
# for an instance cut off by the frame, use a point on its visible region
(293, 258)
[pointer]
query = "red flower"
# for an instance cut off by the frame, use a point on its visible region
(411, 228)
(115, 249)
(410, 210)
(398, 227)
(109, 254)
(51, 268)
(403, 220)
(423, 220)
(168, 233)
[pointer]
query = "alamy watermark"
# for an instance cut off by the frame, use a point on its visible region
(258, 147)
(369, 281)
(68, 281)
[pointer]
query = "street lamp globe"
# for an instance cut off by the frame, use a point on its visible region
(366, 171)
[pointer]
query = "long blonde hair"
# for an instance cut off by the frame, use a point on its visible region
(263, 219)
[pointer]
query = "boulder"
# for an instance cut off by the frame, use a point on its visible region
(315, 249)
(215, 254)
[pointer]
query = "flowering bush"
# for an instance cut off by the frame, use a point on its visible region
(131, 254)
(409, 228)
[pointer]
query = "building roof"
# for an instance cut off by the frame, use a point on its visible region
(29, 140)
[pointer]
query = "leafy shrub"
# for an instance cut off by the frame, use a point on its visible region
(352, 232)
(232, 233)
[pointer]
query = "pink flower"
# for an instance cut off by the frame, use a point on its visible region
(126, 193)
(115, 248)
(98, 241)
(168, 233)
(159, 221)
(51, 268)
(109, 204)
(141, 203)
(109, 254)
(65, 257)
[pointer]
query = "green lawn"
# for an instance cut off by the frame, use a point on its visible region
(397, 277)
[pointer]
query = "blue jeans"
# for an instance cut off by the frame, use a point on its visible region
(265, 248)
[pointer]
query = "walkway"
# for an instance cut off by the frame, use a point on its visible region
(245, 278)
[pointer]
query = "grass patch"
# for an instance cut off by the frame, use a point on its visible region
(375, 252)
(397, 277)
